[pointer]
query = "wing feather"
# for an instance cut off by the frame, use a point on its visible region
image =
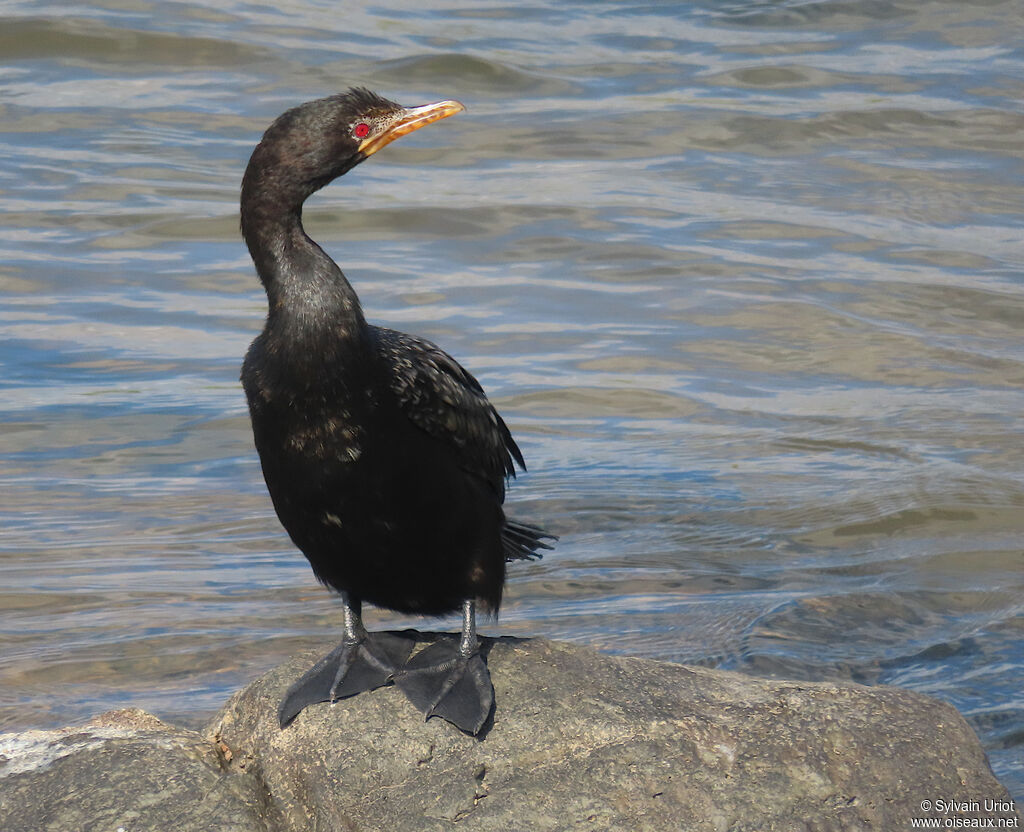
(443, 399)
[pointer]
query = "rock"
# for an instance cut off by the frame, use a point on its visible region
(579, 740)
(584, 740)
(125, 770)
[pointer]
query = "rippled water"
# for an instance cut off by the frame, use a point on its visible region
(745, 279)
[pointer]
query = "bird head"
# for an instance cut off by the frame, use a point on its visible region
(316, 142)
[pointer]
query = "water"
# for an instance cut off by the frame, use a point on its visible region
(744, 278)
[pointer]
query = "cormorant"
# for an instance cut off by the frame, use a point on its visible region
(384, 459)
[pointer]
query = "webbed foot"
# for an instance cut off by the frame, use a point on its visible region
(354, 666)
(446, 680)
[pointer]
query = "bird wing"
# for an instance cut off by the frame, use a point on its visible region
(443, 399)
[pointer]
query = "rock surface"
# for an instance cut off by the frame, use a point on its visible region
(125, 770)
(579, 740)
(582, 740)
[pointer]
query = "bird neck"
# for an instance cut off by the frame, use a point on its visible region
(309, 297)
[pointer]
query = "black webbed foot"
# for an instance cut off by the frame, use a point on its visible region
(354, 666)
(446, 681)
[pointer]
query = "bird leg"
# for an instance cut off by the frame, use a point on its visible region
(449, 679)
(363, 661)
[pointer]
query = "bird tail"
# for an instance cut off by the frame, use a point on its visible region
(521, 541)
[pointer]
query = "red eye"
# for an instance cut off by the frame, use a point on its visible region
(362, 130)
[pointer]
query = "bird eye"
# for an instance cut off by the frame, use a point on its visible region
(361, 130)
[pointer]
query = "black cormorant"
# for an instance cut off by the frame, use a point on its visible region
(384, 459)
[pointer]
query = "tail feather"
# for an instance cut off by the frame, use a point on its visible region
(521, 541)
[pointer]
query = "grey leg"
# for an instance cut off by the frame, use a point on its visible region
(468, 644)
(354, 629)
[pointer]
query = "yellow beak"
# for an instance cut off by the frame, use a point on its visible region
(412, 118)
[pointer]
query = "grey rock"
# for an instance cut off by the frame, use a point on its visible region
(125, 770)
(582, 740)
(579, 740)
